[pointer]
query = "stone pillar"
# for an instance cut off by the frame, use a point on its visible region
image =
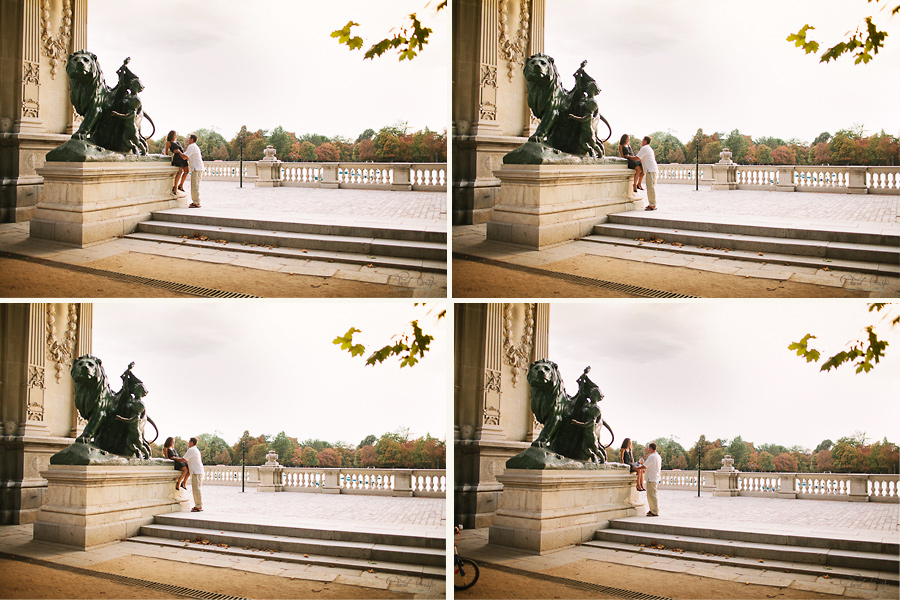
(270, 475)
(492, 39)
(786, 487)
(859, 489)
(401, 181)
(726, 478)
(785, 179)
(402, 483)
(329, 176)
(494, 346)
(268, 169)
(856, 183)
(332, 483)
(38, 343)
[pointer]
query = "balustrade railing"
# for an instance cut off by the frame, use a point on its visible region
(791, 178)
(420, 482)
(351, 175)
(804, 486)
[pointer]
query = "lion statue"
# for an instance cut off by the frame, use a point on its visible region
(571, 424)
(115, 421)
(568, 120)
(112, 117)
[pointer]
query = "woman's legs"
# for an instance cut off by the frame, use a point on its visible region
(184, 173)
(640, 479)
(184, 476)
(639, 175)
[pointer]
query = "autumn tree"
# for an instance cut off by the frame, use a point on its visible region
(327, 153)
(408, 39)
(328, 458)
(863, 43)
(783, 155)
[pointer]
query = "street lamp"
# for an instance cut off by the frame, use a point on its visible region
(241, 166)
(699, 454)
(243, 463)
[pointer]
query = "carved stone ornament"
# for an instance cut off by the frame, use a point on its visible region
(513, 48)
(62, 351)
(56, 47)
(518, 356)
(36, 376)
(492, 382)
(35, 411)
(487, 112)
(492, 416)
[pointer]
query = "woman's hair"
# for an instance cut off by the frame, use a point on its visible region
(625, 443)
(623, 140)
(169, 442)
(170, 136)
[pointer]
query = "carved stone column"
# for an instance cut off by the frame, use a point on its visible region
(491, 390)
(36, 359)
(79, 42)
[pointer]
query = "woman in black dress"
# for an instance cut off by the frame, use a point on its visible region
(180, 463)
(634, 162)
(174, 149)
(626, 456)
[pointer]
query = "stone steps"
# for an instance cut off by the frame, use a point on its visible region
(809, 554)
(874, 252)
(341, 548)
(399, 247)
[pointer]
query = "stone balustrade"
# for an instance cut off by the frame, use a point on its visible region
(855, 487)
(427, 483)
(788, 178)
(420, 177)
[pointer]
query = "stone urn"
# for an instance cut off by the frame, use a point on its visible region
(272, 459)
(270, 153)
(727, 463)
(725, 156)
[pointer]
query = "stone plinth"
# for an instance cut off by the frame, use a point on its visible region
(725, 176)
(88, 202)
(87, 506)
(543, 510)
(545, 205)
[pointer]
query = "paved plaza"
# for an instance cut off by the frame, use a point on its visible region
(717, 275)
(255, 274)
(325, 511)
(854, 520)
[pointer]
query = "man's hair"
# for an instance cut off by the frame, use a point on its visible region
(647, 138)
(193, 137)
(651, 445)
(193, 441)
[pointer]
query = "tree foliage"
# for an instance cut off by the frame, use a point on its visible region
(409, 39)
(409, 345)
(863, 43)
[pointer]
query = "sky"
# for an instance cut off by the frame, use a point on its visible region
(682, 65)
(270, 366)
(225, 63)
(723, 369)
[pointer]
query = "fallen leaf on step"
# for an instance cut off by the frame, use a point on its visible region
(306, 556)
(759, 253)
(370, 571)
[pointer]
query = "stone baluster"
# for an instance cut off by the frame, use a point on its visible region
(402, 482)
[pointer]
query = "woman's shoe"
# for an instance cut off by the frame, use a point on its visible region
(183, 486)
(638, 187)
(181, 188)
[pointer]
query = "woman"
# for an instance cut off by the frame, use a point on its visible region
(180, 463)
(626, 456)
(174, 149)
(634, 162)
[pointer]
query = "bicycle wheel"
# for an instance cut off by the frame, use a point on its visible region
(465, 574)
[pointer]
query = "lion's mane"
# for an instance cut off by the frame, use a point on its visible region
(545, 395)
(544, 92)
(86, 90)
(94, 393)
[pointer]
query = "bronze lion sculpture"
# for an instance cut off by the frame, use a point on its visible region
(571, 424)
(112, 117)
(115, 421)
(568, 120)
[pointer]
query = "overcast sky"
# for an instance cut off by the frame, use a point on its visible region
(268, 366)
(680, 65)
(227, 63)
(722, 369)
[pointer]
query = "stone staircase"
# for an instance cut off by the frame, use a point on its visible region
(822, 555)
(875, 250)
(342, 547)
(399, 246)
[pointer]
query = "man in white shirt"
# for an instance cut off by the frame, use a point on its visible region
(195, 465)
(195, 163)
(653, 462)
(651, 170)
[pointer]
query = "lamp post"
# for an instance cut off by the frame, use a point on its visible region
(243, 463)
(241, 167)
(699, 454)
(697, 171)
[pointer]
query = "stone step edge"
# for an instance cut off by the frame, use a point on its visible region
(261, 539)
(411, 264)
(760, 547)
(290, 557)
(288, 226)
(734, 227)
(751, 563)
(435, 541)
(213, 230)
(629, 231)
(731, 533)
(746, 255)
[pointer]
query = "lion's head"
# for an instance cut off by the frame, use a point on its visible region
(547, 388)
(91, 386)
(543, 83)
(85, 80)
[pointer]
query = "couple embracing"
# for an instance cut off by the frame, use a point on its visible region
(186, 160)
(644, 164)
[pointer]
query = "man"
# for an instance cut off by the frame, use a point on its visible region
(651, 170)
(195, 466)
(195, 163)
(653, 462)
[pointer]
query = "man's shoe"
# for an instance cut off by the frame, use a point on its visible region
(650, 208)
(195, 509)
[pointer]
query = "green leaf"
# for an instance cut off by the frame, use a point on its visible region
(346, 342)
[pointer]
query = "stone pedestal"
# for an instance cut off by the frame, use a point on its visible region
(856, 183)
(87, 506)
(402, 483)
(786, 489)
(542, 510)
(859, 489)
(785, 179)
(268, 172)
(545, 205)
(90, 202)
(724, 176)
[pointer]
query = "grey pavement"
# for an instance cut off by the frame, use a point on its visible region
(852, 212)
(407, 515)
(362, 207)
(859, 520)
